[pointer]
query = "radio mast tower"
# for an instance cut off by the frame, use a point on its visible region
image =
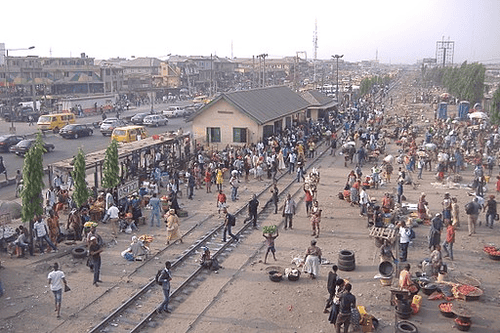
(315, 40)
(315, 46)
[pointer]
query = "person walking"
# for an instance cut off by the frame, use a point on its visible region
(308, 199)
(95, 251)
(449, 241)
(364, 199)
(274, 198)
(172, 221)
(235, 184)
(191, 185)
(289, 211)
(312, 260)
(42, 234)
(229, 222)
(315, 219)
(330, 286)
(472, 210)
(455, 213)
(435, 231)
(253, 205)
(155, 204)
(221, 202)
(347, 302)
(491, 211)
(56, 279)
(164, 280)
(400, 191)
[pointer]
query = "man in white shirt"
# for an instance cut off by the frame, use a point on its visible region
(41, 234)
(56, 279)
(404, 240)
(363, 201)
(113, 213)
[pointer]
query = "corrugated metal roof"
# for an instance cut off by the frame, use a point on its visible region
(316, 98)
(141, 62)
(266, 104)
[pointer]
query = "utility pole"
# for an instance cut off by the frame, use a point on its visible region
(263, 57)
(337, 93)
(315, 48)
(253, 72)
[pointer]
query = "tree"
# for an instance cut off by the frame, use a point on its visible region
(111, 167)
(81, 193)
(465, 82)
(32, 199)
(495, 107)
(31, 195)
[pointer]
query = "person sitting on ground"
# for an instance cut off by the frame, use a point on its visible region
(136, 251)
(207, 261)
(347, 193)
(405, 282)
(386, 252)
(387, 203)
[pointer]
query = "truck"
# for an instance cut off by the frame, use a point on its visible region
(20, 113)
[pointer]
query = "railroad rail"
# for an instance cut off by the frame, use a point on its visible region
(140, 309)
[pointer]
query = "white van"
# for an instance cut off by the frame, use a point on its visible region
(174, 111)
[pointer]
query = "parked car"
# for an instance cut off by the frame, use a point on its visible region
(23, 146)
(76, 131)
(174, 111)
(139, 117)
(155, 120)
(109, 124)
(7, 141)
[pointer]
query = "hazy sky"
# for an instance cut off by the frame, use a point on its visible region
(402, 31)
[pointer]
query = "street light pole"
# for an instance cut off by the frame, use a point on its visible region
(337, 92)
(12, 128)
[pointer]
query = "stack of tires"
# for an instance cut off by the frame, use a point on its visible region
(346, 260)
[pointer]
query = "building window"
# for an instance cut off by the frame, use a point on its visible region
(213, 134)
(240, 135)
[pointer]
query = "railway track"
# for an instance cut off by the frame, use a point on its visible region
(139, 310)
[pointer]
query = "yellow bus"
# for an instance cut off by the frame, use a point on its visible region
(129, 133)
(54, 122)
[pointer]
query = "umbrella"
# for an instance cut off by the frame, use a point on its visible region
(478, 115)
(430, 146)
(389, 159)
(445, 96)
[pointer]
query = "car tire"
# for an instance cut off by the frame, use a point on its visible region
(79, 252)
(406, 327)
(55, 130)
(346, 255)
(75, 136)
(157, 124)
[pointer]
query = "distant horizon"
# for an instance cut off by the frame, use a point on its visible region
(391, 31)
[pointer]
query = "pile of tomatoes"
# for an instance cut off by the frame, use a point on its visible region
(492, 250)
(465, 289)
(446, 307)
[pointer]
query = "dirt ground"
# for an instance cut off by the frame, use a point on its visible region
(241, 298)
